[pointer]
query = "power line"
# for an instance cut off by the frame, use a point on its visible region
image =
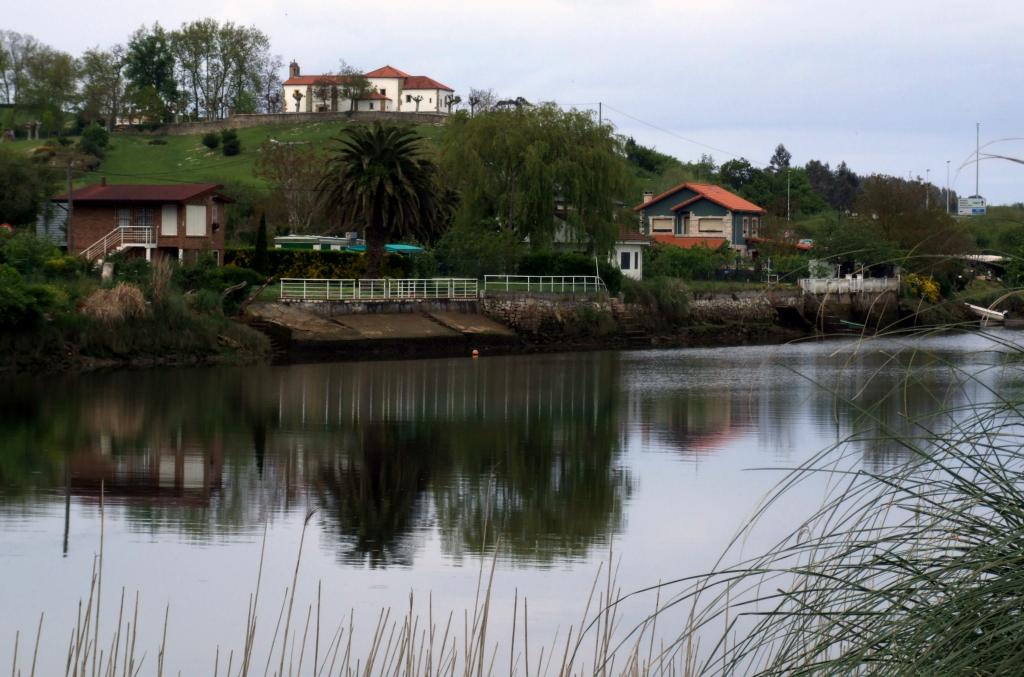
(685, 138)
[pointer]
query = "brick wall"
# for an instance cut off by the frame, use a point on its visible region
(88, 224)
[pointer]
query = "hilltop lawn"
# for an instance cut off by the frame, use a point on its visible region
(132, 158)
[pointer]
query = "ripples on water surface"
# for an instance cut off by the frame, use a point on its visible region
(402, 460)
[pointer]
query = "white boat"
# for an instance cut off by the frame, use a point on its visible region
(987, 314)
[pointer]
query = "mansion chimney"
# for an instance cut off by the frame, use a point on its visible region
(293, 69)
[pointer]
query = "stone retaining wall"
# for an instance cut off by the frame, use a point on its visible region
(741, 307)
(531, 314)
(372, 307)
(259, 120)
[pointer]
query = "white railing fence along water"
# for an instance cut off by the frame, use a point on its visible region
(550, 284)
(849, 285)
(441, 288)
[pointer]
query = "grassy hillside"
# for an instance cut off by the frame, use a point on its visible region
(133, 158)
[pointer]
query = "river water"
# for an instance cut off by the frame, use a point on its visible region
(414, 469)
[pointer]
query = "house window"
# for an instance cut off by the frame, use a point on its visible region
(144, 217)
(680, 225)
(371, 105)
(636, 260)
(661, 224)
(124, 218)
(408, 98)
(383, 92)
(746, 226)
(754, 226)
(195, 220)
(169, 220)
(624, 260)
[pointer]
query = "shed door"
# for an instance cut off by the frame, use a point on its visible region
(169, 220)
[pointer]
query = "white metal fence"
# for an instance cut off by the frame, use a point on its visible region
(849, 285)
(551, 284)
(297, 289)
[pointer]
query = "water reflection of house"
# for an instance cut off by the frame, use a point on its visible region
(694, 423)
(181, 473)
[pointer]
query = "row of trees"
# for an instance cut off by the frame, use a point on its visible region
(203, 70)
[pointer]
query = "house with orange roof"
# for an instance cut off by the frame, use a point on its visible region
(391, 89)
(700, 215)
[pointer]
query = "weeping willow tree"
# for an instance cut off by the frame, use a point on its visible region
(529, 169)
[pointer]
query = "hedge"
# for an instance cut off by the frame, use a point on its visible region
(564, 263)
(313, 264)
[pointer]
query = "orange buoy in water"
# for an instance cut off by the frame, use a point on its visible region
(476, 353)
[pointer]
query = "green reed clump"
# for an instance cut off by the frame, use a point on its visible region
(914, 569)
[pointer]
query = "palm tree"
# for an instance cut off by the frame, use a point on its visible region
(379, 177)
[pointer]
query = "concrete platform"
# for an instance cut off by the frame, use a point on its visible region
(303, 329)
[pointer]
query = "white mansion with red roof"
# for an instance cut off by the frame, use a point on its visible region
(391, 90)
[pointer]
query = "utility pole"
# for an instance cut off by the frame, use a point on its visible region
(787, 194)
(927, 188)
(947, 186)
(71, 204)
(977, 158)
(600, 113)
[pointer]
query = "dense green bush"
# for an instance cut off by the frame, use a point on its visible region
(27, 253)
(319, 264)
(665, 300)
(698, 263)
(230, 143)
(790, 267)
(94, 140)
(569, 263)
(478, 250)
(21, 303)
(211, 140)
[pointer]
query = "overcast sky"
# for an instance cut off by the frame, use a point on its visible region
(891, 87)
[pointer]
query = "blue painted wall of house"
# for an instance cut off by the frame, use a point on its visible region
(737, 228)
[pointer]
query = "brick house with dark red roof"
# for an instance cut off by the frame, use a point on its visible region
(391, 90)
(700, 214)
(178, 221)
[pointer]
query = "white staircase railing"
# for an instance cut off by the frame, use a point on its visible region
(119, 238)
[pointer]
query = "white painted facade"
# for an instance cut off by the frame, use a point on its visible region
(387, 84)
(629, 258)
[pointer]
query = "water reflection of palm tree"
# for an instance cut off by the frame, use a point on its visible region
(374, 496)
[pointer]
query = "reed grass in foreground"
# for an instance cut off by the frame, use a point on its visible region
(917, 569)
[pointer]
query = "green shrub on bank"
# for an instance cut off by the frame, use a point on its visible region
(211, 140)
(312, 264)
(665, 301)
(698, 263)
(568, 263)
(21, 304)
(27, 253)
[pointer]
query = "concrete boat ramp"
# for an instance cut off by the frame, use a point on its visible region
(312, 329)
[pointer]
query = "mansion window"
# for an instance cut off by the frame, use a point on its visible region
(624, 259)
(383, 92)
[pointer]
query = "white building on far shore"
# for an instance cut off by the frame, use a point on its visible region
(391, 90)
